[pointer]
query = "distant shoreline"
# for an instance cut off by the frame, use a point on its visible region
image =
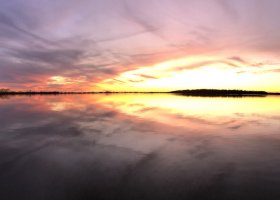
(195, 92)
(223, 93)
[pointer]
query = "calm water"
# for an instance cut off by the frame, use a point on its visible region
(137, 147)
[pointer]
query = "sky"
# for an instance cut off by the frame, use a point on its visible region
(132, 45)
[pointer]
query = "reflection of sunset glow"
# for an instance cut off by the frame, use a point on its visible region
(119, 144)
(220, 115)
(184, 105)
(195, 111)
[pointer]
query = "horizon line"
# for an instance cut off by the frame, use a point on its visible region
(184, 92)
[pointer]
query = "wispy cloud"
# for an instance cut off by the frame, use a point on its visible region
(99, 40)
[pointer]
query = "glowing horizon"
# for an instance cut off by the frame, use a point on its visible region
(187, 73)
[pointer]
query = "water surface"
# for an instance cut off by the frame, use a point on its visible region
(139, 147)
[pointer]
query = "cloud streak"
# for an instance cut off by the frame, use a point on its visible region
(99, 40)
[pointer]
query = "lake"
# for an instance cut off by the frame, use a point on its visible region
(138, 147)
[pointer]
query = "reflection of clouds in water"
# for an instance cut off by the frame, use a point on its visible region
(100, 126)
(61, 106)
(92, 150)
(196, 114)
(58, 106)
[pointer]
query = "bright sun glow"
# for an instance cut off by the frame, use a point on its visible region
(191, 73)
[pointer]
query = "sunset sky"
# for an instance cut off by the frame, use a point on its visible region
(139, 45)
